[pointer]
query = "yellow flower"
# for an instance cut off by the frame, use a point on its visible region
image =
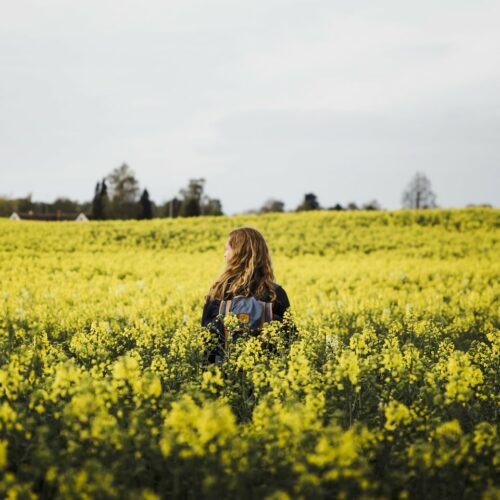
(462, 378)
(396, 414)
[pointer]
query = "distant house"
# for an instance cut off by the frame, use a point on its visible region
(58, 216)
(81, 218)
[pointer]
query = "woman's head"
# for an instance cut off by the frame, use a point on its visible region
(248, 265)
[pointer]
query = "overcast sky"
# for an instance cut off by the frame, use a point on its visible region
(262, 98)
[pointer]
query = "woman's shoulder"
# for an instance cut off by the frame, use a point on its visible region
(278, 288)
(211, 300)
(281, 295)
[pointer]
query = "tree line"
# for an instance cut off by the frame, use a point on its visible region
(118, 196)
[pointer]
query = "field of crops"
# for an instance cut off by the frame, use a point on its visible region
(389, 389)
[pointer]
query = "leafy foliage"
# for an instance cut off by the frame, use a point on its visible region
(389, 389)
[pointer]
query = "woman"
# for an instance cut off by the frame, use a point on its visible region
(248, 272)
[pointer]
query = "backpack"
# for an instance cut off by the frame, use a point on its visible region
(251, 312)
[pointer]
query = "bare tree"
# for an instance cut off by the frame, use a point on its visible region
(419, 194)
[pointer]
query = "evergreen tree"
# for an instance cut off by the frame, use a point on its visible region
(310, 203)
(172, 208)
(190, 207)
(146, 211)
(212, 206)
(100, 201)
(95, 213)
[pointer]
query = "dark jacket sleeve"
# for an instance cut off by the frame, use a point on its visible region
(209, 320)
(210, 311)
(281, 304)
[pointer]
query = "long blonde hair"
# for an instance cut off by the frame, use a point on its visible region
(249, 270)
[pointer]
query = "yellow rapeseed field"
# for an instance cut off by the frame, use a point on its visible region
(389, 387)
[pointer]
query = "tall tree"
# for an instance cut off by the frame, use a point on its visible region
(124, 192)
(96, 213)
(212, 206)
(310, 203)
(192, 198)
(146, 211)
(418, 193)
(171, 208)
(100, 202)
(123, 185)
